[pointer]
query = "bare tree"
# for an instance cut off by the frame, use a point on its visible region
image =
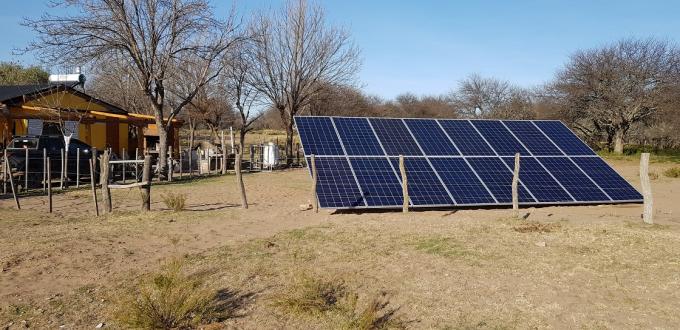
(245, 98)
(479, 97)
(152, 37)
(610, 89)
(296, 55)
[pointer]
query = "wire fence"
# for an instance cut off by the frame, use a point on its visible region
(70, 169)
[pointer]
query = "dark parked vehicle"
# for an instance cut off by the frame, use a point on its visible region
(52, 144)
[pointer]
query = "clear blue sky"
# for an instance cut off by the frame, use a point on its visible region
(426, 47)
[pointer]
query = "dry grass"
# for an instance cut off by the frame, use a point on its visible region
(167, 300)
(536, 227)
(673, 172)
(600, 267)
(174, 201)
(331, 302)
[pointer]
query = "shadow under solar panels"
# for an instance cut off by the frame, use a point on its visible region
(454, 162)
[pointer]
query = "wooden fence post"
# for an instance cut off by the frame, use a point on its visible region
(61, 173)
(124, 156)
(4, 173)
(104, 181)
(170, 165)
(224, 154)
(231, 132)
(26, 171)
(136, 165)
(146, 189)
(49, 186)
(94, 187)
(65, 169)
(11, 181)
(252, 156)
(515, 183)
(191, 169)
(648, 211)
(181, 165)
(78, 168)
(315, 200)
(404, 184)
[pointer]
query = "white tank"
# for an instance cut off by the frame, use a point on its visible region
(270, 155)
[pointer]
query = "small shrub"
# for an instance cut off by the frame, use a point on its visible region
(376, 315)
(174, 201)
(309, 295)
(168, 300)
(536, 227)
(673, 172)
(333, 302)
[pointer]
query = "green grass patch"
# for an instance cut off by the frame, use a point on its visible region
(631, 153)
(446, 247)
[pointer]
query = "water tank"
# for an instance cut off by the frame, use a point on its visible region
(72, 78)
(270, 155)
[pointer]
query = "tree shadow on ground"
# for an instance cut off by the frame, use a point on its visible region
(232, 303)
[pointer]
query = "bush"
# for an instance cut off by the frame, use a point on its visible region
(308, 295)
(168, 300)
(173, 201)
(673, 172)
(331, 300)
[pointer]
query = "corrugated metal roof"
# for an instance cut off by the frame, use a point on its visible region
(10, 92)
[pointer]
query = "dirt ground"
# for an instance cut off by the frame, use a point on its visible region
(561, 267)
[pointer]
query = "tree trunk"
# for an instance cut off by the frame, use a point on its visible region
(162, 151)
(239, 178)
(289, 142)
(618, 141)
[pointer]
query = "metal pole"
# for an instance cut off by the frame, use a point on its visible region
(44, 170)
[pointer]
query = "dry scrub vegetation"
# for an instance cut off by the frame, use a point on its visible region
(215, 266)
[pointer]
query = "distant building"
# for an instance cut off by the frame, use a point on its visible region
(51, 109)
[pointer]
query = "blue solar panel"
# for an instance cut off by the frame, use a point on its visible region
(318, 136)
(424, 188)
(466, 138)
(539, 182)
(499, 137)
(610, 181)
(564, 138)
(378, 181)
(336, 187)
(430, 137)
(395, 137)
(532, 138)
(357, 136)
(462, 183)
(454, 162)
(498, 179)
(573, 179)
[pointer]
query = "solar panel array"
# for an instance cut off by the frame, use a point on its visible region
(454, 163)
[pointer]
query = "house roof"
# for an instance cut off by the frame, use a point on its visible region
(17, 94)
(10, 92)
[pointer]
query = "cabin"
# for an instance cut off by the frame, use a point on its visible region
(60, 108)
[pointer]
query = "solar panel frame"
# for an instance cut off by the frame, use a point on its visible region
(462, 155)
